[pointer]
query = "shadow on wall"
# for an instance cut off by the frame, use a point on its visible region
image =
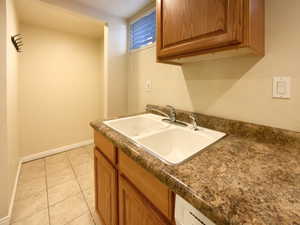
(208, 81)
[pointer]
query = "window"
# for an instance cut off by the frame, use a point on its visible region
(143, 31)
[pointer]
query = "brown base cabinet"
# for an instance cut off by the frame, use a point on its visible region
(134, 208)
(105, 190)
(127, 194)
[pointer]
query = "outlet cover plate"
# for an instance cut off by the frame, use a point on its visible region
(282, 87)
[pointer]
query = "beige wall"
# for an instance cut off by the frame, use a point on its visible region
(4, 198)
(116, 71)
(115, 75)
(236, 88)
(12, 94)
(61, 88)
(9, 142)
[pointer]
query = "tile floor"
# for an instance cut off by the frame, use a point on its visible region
(57, 190)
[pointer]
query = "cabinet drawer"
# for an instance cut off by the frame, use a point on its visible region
(155, 191)
(105, 146)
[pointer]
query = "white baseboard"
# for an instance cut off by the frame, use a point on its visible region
(12, 199)
(55, 151)
(5, 220)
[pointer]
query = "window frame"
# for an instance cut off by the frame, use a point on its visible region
(146, 13)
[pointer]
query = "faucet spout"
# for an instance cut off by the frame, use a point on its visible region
(194, 122)
(171, 118)
(172, 113)
(160, 112)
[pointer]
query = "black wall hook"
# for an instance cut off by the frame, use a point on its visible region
(17, 42)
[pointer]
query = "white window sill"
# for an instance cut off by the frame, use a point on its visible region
(142, 48)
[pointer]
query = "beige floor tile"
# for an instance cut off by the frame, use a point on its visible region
(90, 148)
(62, 191)
(26, 176)
(86, 182)
(30, 187)
(66, 211)
(32, 170)
(77, 151)
(89, 195)
(29, 206)
(58, 166)
(35, 163)
(85, 219)
(79, 156)
(40, 218)
(60, 177)
(96, 218)
(81, 159)
(56, 158)
(84, 169)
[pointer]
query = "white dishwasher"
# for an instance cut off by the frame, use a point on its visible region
(186, 214)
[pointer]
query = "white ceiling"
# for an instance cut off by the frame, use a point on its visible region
(39, 13)
(119, 8)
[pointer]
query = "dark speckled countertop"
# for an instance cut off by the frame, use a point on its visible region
(250, 177)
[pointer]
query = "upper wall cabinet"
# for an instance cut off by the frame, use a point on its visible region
(190, 30)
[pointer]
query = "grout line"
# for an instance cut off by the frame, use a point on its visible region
(65, 198)
(29, 196)
(81, 190)
(60, 201)
(47, 186)
(71, 179)
(69, 164)
(47, 192)
(77, 217)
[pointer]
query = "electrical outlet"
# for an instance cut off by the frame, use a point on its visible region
(281, 87)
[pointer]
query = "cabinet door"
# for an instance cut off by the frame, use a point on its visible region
(134, 209)
(106, 190)
(187, 26)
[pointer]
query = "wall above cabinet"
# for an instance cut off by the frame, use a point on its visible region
(193, 30)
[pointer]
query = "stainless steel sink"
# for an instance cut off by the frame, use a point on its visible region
(170, 143)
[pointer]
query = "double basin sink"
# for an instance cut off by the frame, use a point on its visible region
(170, 143)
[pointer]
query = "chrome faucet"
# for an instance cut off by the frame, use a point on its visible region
(157, 110)
(194, 122)
(172, 113)
(171, 118)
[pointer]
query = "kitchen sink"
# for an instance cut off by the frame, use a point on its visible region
(170, 143)
(136, 126)
(178, 144)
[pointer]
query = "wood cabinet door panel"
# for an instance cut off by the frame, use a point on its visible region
(185, 26)
(134, 209)
(105, 146)
(158, 193)
(106, 189)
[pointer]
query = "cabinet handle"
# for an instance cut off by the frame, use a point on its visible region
(193, 215)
